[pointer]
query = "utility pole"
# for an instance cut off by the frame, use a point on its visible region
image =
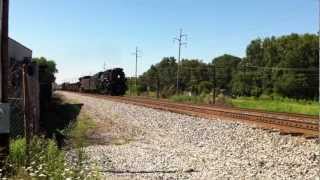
(214, 85)
(180, 38)
(4, 105)
(136, 53)
(158, 87)
(27, 131)
(319, 78)
(104, 66)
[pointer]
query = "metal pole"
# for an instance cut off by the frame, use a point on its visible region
(5, 117)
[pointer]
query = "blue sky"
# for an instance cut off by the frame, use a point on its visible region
(80, 35)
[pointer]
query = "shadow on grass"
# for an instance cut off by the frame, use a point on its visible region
(58, 116)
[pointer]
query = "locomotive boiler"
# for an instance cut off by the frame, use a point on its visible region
(110, 82)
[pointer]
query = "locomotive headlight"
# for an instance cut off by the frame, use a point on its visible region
(118, 76)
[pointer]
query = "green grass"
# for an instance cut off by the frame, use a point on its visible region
(267, 103)
(201, 99)
(79, 129)
(278, 105)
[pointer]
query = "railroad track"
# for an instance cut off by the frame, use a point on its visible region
(286, 123)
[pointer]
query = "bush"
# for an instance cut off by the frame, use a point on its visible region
(46, 160)
(168, 91)
(17, 155)
(205, 87)
(223, 100)
(203, 98)
(265, 97)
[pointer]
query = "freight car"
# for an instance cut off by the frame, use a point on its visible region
(110, 82)
(70, 86)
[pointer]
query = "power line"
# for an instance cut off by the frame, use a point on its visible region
(180, 38)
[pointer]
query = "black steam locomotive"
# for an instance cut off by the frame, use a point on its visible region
(110, 82)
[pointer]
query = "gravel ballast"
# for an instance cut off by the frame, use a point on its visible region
(143, 143)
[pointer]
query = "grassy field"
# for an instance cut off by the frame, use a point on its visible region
(274, 105)
(281, 105)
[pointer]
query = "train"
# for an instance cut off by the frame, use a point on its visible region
(110, 82)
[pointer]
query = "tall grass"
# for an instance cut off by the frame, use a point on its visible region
(278, 105)
(47, 161)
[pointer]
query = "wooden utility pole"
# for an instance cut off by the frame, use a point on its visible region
(158, 85)
(214, 85)
(104, 66)
(27, 129)
(180, 43)
(4, 106)
(136, 67)
(136, 53)
(319, 77)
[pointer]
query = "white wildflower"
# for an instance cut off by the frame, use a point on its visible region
(42, 175)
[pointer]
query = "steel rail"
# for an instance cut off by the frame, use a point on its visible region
(286, 123)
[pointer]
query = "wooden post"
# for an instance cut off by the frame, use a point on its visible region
(27, 131)
(5, 117)
(4, 52)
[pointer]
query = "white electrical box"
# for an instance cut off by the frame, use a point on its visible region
(4, 118)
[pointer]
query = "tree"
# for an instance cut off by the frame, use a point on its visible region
(226, 67)
(47, 69)
(166, 71)
(286, 65)
(193, 72)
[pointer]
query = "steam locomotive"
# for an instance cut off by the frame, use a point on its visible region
(111, 82)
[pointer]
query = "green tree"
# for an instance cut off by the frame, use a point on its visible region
(285, 65)
(47, 69)
(226, 67)
(166, 71)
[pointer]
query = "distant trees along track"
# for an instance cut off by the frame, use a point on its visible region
(286, 123)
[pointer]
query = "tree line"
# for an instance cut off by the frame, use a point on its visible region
(287, 66)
